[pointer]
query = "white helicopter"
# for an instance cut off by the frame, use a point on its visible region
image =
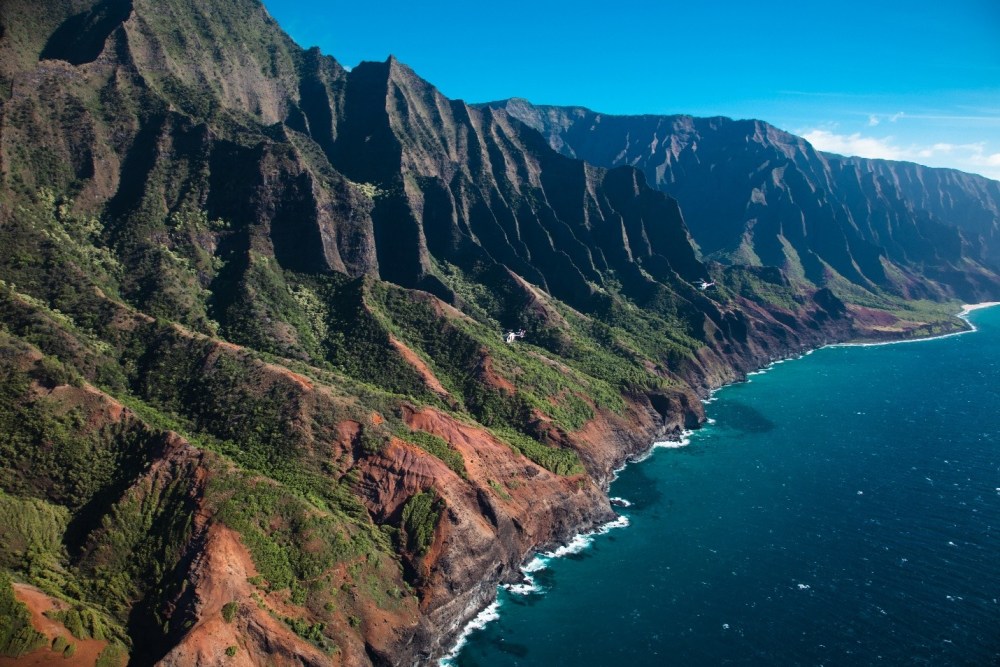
(702, 285)
(511, 336)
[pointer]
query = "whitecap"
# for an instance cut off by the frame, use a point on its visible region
(581, 541)
(684, 439)
(535, 564)
(481, 620)
(670, 444)
(525, 587)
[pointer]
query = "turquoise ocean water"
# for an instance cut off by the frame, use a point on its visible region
(840, 509)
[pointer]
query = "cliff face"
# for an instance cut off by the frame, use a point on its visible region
(753, 193)
(255, 396)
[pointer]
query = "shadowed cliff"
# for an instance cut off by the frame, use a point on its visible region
(755, 194)
(256, 402)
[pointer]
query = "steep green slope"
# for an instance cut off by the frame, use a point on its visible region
(256, 398)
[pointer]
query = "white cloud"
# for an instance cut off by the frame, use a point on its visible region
(854, 144)
(987, 160)
(971, 157)
(874, 119)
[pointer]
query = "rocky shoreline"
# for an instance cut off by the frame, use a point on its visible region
(480, 599)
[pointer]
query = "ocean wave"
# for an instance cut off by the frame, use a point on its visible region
(684, 441)
(577, 544)
(482, 619)
(528, 585)
(581, 541)
(525, 587)
(964, 316)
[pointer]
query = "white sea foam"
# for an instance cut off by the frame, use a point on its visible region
(620, 502)
(969, 307)
(672, 444)
(966, 309)
(583, 540)
(528, 585)
(482, 619)
(535, 564)
(684, 439)
(525, 587)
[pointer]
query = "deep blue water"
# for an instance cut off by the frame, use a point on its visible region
(842, 509)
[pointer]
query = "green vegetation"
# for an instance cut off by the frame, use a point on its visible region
(113, 655)
(31, 531)
(290, 540)
(139, 283)
(81, 622)
(559, 461)
(17, 636)
(229, 611)
(500, 491)
(312, 632)
(439, 448)
(420, 516)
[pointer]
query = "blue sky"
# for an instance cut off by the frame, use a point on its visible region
(913, 80)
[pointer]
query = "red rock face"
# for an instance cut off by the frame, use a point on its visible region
(220, 576)
(312, 184)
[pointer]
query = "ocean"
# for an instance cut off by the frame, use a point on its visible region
(838, 509)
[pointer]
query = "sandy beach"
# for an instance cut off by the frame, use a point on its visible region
(969, 307)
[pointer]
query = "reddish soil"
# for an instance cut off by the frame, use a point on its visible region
(491, 377)
(871, 318)
(421, 367)
(220, 575)
(38, 603)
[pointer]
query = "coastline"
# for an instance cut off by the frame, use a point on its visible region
(962, 315)
(538, 559)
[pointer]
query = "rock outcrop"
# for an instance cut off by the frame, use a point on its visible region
(253, 387)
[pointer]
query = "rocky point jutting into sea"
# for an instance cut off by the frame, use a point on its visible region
(256, 398)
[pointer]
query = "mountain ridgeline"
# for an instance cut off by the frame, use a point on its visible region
(254, 395)
(752, 193)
